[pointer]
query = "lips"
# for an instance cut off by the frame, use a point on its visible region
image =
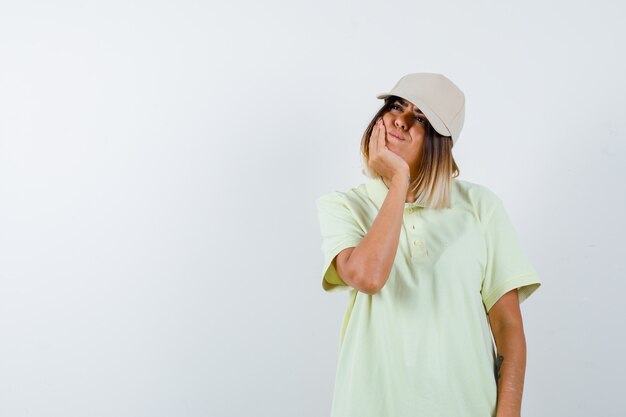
(393, 135)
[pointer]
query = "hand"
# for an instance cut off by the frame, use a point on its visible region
(385, 162)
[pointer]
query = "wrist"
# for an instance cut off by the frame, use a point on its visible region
(403, 179)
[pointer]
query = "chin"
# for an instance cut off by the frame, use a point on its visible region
(394, 150)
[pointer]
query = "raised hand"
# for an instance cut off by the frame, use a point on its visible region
(385, 162)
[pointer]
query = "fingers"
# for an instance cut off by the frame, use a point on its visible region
(377, 143)
(378, 135)
(373, 145)
(382, 133)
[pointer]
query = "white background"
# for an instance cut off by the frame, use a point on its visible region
(159, 161)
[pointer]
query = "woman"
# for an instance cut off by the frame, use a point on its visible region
(433, 267)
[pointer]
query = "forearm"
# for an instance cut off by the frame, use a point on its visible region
(373, 258)
(511, 346)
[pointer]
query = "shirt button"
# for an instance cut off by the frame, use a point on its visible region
(413, 227)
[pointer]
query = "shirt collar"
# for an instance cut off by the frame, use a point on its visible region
(377, 191)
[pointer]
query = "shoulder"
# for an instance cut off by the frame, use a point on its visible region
(473, 191)
(480, 198)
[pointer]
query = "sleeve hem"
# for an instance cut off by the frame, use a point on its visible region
(331, 281)
(525, 284)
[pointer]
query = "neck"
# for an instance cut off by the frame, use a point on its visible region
(410, 196)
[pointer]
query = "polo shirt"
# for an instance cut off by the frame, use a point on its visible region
(422, 345)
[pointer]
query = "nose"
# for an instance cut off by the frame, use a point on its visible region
(401, 122)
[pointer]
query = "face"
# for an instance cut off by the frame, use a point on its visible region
(406, 130)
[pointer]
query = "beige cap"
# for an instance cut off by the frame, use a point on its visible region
(441, 101)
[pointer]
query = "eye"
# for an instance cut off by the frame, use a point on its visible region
(395, 107)
(420, 119)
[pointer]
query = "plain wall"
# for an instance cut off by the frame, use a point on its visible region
(159, 161)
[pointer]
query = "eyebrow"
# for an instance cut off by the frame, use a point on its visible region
(404, 104)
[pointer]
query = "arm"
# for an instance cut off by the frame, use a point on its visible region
(506, 324)
(367, 266)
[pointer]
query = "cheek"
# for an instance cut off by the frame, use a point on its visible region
(418, 138)
(418, 131)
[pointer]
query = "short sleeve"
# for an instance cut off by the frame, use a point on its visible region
(340, 230)
(507, 266)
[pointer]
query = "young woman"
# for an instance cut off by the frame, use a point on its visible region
(433, 267)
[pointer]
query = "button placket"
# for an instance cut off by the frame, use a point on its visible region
(413, 227)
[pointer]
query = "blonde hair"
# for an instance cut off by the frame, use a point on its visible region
(436, 168)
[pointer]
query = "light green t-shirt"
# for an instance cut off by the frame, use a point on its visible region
(422, 346)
